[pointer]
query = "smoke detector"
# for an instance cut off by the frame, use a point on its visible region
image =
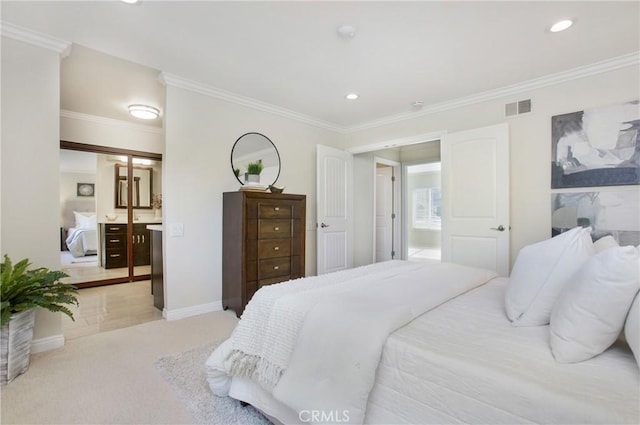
(346, 32)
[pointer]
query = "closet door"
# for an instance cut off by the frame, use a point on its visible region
(93, 232)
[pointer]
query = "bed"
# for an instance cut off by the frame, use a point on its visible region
(82, 236)
(461, 360)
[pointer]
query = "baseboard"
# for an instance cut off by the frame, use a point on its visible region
(182, 313)
(46, 344)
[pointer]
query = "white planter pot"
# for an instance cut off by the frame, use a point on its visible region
(15, 345)
(251, 178)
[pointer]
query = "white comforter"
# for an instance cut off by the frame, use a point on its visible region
(316, 343)
(82, 241)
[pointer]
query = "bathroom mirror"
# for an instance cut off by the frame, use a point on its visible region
(142, 184)
(252, 148)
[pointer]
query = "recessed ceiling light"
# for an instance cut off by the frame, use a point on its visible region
(144, 111)
(352, 96)
(129, 1)
(561, 25)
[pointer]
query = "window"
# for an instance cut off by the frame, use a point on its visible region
(427, 208)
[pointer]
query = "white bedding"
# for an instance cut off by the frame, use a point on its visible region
(464, 362)
(82, 242)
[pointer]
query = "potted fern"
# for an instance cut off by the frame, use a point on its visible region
(253, 172)
(21, 291)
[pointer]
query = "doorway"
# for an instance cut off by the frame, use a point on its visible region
(423, 214)
(386, 205)
(104, 241)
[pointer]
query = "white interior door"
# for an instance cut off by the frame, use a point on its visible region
(475, 194)
(334, 209)
(383, 213)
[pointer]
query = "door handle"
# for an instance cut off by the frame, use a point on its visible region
(324, 225)
(499, 228)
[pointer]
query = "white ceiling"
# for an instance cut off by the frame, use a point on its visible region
(288, 54)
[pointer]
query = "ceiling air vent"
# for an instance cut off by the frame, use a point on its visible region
(517, 108)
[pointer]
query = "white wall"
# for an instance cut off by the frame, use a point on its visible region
(200, 133)
(530, 139)
(30, 162)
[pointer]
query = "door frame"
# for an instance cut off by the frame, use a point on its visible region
(397, 198)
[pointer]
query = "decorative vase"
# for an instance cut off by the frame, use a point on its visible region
(158, 213)
(15, 345)
(251, 178)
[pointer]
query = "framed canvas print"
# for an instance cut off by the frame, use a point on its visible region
(86, 189)
(608, 212)
(596, 147)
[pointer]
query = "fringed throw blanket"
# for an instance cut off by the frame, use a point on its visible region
(315, 343)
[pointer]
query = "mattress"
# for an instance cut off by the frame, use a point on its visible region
(463, 362)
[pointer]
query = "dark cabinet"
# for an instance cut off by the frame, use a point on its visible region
(263, 243)
(157, 279)
(114, 245)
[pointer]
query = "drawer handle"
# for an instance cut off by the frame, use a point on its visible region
(276, 228)
(114, 240)
(276, 248)
(277, 208)
(114, 255)
(276, 267)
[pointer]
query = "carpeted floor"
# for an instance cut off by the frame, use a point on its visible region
(185, 373)
(111, 377)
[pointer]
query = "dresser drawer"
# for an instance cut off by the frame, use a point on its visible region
(116, 259)
(274, 267)
(274, 210)
(115, 241)
(115, 228)
(272, 248)
(274, 229)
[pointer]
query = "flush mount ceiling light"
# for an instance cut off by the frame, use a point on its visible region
(352, 96)
(561, 25)
(144, 112)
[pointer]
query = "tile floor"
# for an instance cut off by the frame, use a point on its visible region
(423, 254)
(106, 308)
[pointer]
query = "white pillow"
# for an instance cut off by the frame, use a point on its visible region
(632, 328)
(591, 310)
(604, 242)
(85, 220)
(540, 272)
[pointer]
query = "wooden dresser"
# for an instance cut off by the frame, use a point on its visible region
(114, 245)
(263, 242)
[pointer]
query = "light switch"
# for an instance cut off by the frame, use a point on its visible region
(176, 230)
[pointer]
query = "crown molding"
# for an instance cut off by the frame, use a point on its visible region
(35, 38)
(537, 83)
(110, 122)
(196, 87)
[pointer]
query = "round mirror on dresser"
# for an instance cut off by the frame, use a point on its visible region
(251, 149)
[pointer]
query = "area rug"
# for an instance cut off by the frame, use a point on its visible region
(185, 373)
